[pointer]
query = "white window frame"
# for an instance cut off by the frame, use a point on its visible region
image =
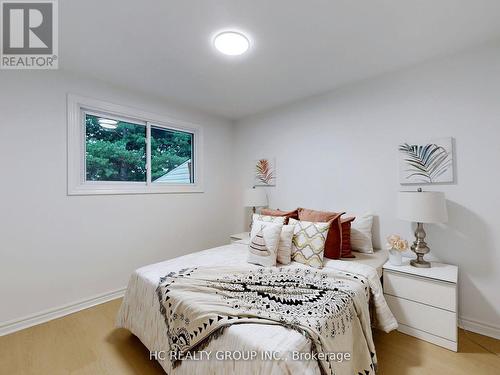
(77, 184)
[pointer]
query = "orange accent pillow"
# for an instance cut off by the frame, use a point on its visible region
(287, 214)
(346, 237)
(334, 237)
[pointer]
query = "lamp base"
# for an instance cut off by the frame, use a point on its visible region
(251, 218)
(420, 263)
(420, 248)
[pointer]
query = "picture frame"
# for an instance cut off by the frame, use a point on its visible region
(427, 162)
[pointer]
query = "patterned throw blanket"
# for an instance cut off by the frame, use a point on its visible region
(329, 307)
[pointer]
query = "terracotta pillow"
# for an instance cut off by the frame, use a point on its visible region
(287, 214)
(346, 237)
(334, 237)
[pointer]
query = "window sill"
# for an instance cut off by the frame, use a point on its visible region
(90, 189)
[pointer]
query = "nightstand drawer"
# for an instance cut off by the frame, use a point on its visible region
(425, 318)
(424, 290)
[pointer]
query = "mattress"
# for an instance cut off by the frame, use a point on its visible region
(140, 314)
(375, 260)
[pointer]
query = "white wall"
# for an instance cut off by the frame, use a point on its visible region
(339, 152)
(336, 151)
(57, 249)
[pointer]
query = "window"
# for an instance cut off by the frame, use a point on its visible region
(114, 150)
(118, 150)
(171, 156)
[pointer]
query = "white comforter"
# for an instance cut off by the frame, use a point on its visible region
(140, 313)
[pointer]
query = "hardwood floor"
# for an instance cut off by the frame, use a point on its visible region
(87, 343)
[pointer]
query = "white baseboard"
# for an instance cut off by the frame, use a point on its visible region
(50, 314)
(478, 327)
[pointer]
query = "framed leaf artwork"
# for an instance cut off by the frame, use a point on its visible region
(426, 162)
(265, 172)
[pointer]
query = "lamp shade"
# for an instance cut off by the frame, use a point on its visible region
(254, 198)
(422, 207)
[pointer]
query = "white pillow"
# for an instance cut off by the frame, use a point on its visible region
(263, 246)
(361, 234)
(270, 219)
(285, 245)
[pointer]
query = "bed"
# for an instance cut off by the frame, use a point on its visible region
(140, 314)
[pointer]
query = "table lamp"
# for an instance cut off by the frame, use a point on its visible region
(421, 207)
(254, 198)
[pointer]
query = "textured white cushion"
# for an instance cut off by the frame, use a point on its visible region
(264, 240)
(285, 244)
(361, 234)
(270, 219)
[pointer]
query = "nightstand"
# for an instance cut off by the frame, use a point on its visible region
(424, 301)
(243, 236)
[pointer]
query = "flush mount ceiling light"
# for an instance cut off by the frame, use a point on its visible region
(108, 123)
(231, 43)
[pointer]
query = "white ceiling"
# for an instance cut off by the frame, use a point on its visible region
(299, 47)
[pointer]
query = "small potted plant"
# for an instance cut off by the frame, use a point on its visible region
(396, 246)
